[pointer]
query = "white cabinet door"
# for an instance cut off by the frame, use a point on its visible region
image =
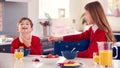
(17, 0)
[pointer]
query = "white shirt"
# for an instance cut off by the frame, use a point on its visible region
(21, 39)
(94, 28)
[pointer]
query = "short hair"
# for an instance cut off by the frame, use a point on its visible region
(26, 18)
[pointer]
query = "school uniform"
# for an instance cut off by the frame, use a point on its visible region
(94, 34)
(35, 47)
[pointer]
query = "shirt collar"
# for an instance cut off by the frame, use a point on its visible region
(94, 28)
(21, 39)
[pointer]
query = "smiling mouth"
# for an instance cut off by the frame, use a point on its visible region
(24, 28)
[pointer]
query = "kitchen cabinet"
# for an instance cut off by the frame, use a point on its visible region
(5, 48)
(17, 0)
(47, 47)
(1, 8)
(12, 12)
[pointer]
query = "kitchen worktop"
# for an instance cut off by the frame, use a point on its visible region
(8, 61)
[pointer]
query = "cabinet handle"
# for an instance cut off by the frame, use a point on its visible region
(59, 42)
(66, 46)
(3, 49)
(78, 44)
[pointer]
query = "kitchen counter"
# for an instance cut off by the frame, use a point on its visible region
(5, 40)
(5, 43)
(116, 31)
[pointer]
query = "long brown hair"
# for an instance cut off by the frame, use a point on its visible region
(97, 13)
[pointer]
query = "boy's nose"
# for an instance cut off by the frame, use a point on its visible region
(24, 25)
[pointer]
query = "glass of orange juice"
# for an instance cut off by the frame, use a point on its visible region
(105, 57)
(19, 54)
(105, 53)
(96, 58)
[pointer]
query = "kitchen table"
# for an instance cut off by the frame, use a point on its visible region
(7, 60)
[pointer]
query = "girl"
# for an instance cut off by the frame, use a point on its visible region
(99, 31)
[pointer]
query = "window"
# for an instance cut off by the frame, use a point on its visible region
(55, 8)
(113, 7)
(110, 7)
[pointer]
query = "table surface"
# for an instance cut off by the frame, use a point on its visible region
(8, 60)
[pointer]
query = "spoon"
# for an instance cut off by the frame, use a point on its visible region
(73, 49)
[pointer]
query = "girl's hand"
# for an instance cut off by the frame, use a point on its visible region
(50, 38)
(53, 38)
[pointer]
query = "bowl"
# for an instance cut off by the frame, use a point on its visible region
(26, 52)
(69, 54)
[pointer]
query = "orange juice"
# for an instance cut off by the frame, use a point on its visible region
(19, 55)
(96, 59)
(105, 57)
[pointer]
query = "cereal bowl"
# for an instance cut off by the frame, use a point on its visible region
(69, 54)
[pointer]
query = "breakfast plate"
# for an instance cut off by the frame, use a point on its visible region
(70, 64)
(49, 59)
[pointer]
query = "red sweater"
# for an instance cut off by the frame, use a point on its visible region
(99, 35)
(35, 48)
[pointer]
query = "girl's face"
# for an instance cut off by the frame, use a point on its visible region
(88, 18)
(24, 27)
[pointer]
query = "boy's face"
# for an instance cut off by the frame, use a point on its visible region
(24, 27)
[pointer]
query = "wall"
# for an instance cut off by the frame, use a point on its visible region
(114, 23)
(76, 10)
(12, 12)
(33, 14)
(74, 5)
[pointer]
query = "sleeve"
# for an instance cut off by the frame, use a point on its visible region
(83, 54)
(12, 49)
(77, 37)
(14, 45)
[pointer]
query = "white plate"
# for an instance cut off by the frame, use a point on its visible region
(49, 60)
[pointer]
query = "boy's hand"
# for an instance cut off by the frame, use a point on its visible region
(26, 41)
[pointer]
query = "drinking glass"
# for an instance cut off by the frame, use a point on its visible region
(18, 64)
(96, 58)
(19, 54)
(105, 53)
